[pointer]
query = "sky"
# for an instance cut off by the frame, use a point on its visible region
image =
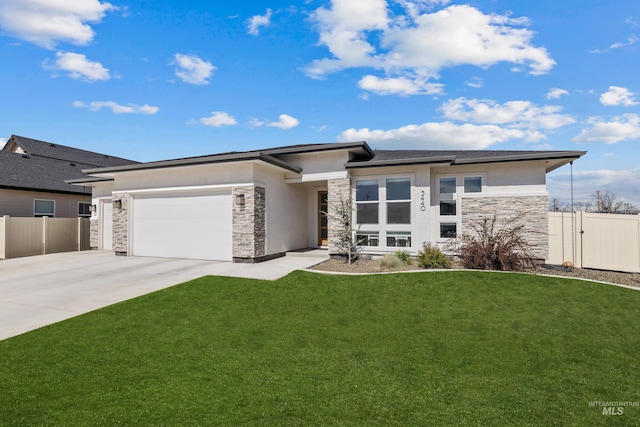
(162, 79)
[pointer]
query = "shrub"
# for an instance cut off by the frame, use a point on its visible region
(431, 257)
(495, 247)
(390, 262)
(405, 257)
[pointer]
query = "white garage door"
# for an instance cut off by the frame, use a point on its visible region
(107, 226)
(195, 226)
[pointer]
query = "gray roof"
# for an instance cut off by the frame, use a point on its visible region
(362, 157)
(46, 166)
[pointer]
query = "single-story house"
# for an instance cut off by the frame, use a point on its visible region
(33, 174)
(255, 205)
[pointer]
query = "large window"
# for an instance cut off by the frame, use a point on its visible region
(399, 239)
(44, 208)
(398, 200)
(367, 201)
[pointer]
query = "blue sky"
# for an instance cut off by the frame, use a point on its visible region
(155, 79)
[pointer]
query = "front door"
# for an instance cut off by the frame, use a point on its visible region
(323, 207)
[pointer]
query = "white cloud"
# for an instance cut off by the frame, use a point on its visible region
(193, 70)
(517, 114)
(366, 34)
(556, 93)
(79, 67)
(618, 96)
(621, 128)
(285, 121)
(3, 141)
(630, 41)
(48, 22)
(445, 135)
(217, 119)
(402, 86)
(475, 82)
(117, 108)
(256, 22)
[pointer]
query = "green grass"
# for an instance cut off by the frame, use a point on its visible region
(450, 348)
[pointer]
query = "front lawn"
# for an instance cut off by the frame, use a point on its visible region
(405, 349)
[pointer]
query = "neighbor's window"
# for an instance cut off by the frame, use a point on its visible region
(399, 239)
(447, 185)
(84, 210)
(368, 239)
(472, 184)
(367, 201)
(448, 230)
(398, 200)
(43, 208)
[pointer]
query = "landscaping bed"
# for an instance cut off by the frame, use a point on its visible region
(373, 266)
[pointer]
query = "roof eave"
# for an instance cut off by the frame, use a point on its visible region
(194, 161)
(399, 162)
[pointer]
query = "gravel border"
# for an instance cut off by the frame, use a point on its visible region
(629, 280)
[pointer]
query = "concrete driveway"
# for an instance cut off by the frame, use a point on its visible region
(41, 290)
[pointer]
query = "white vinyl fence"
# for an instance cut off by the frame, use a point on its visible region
(591, 240)
(21, 237)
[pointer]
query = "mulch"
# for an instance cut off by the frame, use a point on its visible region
(373, 266)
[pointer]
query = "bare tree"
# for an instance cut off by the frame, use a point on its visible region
(607, 201)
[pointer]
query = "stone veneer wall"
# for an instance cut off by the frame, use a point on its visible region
(121, 224)
(93, 233)
(338, 191)
(535, 217)
(249, 224)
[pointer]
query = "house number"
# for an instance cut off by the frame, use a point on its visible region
(422, 206)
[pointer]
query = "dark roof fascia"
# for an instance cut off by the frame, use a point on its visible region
(552, 155)
(399, 162)
(321, 147)
(40, 190)
(88, 180)
(194, 161)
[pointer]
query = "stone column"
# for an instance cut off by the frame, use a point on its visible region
(93, 233)
(338, 192)
(535, 218)
(120, 224)
(249, 224)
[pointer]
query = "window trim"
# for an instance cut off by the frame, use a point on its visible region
(39, 215)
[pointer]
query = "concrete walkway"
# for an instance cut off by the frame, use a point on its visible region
(41, 290)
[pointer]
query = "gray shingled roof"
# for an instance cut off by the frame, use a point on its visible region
(46, 166)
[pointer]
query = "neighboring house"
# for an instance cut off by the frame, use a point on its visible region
(33, 174)
(256, 205)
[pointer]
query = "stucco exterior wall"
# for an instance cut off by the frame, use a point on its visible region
(286, 213)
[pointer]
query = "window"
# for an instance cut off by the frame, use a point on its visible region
(447, 185)
(43, 208)
(447, 207)
(472, 184)
(398, 200)
(399, 239)
(367, 201)
(84, 210)
(368, 239)
(448, 230)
